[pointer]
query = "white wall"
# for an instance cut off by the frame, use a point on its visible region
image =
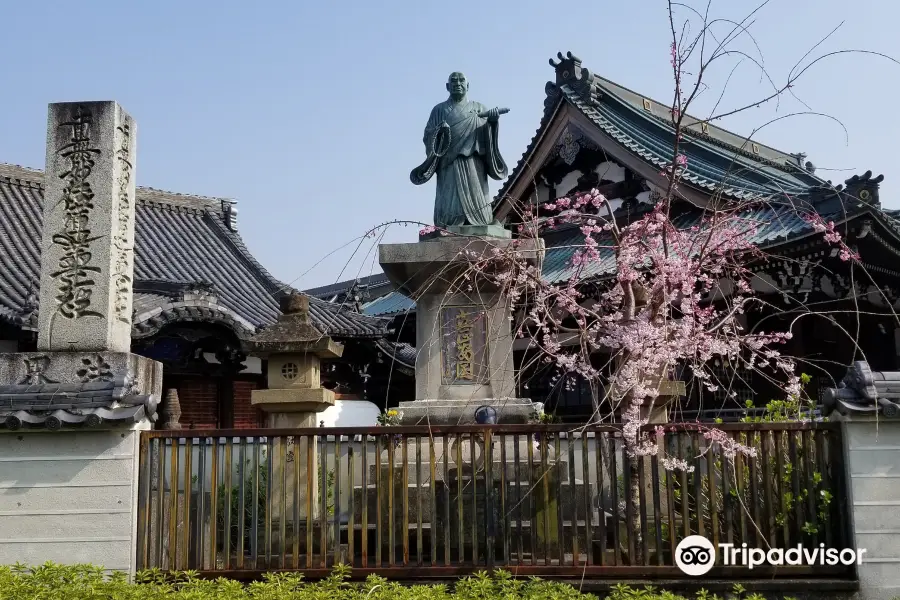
(69, 497)
(873, 451)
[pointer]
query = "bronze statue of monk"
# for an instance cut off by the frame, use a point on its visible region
(461, 147)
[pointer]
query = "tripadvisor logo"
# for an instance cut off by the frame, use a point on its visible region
(696, 555)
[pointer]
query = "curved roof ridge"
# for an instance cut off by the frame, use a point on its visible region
(692, 124)
(145, 194)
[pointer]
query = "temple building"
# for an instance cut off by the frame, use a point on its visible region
(198, 293)
(596, 134)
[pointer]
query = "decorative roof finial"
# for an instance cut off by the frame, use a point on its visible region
(570, 72)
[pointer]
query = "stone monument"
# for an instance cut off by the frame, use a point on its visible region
(83, 384)
(87, 262)
(463, 331)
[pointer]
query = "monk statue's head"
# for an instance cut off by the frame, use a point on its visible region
(457, 86)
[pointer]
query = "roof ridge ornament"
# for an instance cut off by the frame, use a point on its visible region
(570, 72)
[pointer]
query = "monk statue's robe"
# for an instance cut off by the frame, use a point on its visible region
(461, 144)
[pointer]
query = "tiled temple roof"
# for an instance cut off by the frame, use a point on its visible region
(190, 265)
(717, 160)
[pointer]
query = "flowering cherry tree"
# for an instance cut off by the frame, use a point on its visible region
(656, 293)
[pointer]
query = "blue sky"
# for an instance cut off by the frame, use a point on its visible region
(310, 114)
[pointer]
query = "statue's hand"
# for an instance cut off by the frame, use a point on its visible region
(494, 113)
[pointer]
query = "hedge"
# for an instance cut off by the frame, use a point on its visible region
(82, 582)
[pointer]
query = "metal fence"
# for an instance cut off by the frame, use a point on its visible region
(542, 500)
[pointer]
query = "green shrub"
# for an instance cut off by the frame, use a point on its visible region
(85, 582)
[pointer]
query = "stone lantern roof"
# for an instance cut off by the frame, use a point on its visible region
(294, 332)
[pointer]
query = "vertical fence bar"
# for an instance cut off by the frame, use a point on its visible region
(226, 534)
(684, 489)
(793, 441)
(614, 489)
(767, 506)
(642, 509)
(826, 483)
(474, 483)
(489, 519)
(520, 531)
(698, 484)
(530, 492)
(404, 485)
(600, 438)
(460, 515)
(545, 478)
(711, 454)
(311, 448)
(588, 511)
(254, 502)
(379, 509)
(214, 503)
(392, 550)
(188, 486)
(504, 510)
(630, 534)
(282, 517)
(295, 486)
(323, 501)
(432, 468)
(746, 470)
(336, 517)
(419, 560)
(657, 506)
(573, 494)
(144, 485)
(727, 501)
(557, 468)
(351, 501)
(364, 502)
(447, 528)
(670, 500)
(269, 500)
(201, 502)
(782, 487)
(242, 503)
(809, 461)
(173, 507)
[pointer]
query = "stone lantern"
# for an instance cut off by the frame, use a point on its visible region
(294, 349)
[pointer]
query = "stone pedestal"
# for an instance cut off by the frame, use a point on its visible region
(463, 330)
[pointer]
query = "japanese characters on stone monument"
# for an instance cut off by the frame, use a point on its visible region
(87, 257)
(461, 146)
(464, 345)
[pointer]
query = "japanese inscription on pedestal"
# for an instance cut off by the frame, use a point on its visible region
(74, 275)
(463, 345)
(121, 275)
